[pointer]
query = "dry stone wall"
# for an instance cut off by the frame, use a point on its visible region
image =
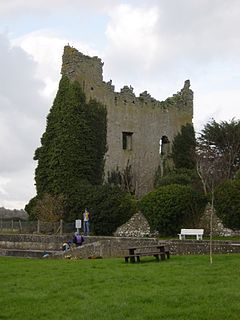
(137, 226)
(217, 225)
(106, 247)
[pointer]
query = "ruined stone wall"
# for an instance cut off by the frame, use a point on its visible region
(145, 117)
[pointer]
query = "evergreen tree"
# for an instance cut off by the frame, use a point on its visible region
(73, 145)
(222, 142)
(227, 203)
(183, 149)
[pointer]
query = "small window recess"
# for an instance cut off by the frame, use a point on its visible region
(127, 140)
(164, 144)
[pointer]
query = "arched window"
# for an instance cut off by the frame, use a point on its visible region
(164, 145)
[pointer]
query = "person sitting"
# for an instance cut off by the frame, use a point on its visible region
(66, 246)
(78, 239)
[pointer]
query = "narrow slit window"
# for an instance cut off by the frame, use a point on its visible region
(127, 140)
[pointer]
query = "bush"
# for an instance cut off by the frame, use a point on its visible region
(182, 177)
(170, 208)
(227, 203)
(183, 148)
(30, 208)
(50, 208)
(110, 207)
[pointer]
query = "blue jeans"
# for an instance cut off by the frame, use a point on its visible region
(86, 227)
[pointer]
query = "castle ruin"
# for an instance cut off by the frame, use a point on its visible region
(140, 130)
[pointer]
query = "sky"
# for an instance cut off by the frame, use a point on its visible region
(152, 45)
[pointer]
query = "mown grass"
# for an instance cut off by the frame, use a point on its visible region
(184, 287)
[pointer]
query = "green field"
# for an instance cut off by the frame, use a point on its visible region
(185, 287)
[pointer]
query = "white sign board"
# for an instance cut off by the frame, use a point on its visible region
(78, 224)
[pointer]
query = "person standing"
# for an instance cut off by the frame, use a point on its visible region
(86, 218)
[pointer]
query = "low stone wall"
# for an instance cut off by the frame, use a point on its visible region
(117, 247)
(93, 246)
(31, 242)
(106, 247)
(185, 247)
(110, 246)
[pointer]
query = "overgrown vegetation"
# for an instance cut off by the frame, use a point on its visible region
(69, 174)
(50, 208)
(181, 176)
(111, 207)
(171, 207)
(222, 141)
(227, 203)
(184, 148)
(74, 143)
(123, 180)
(71, 164)
(218, 159)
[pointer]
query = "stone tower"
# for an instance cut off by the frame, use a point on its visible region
(140, 130)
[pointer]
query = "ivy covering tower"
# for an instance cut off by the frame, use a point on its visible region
(73, 145)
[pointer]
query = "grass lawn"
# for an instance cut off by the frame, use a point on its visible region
(184, 287)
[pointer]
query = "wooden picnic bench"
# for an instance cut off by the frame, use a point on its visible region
(191, 232)
(157, 251)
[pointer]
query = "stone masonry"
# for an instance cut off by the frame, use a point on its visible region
(136, 126)
(106, 247)
(137, 226)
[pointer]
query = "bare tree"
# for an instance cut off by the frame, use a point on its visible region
(50, 208)
(210, 166)
(218, 158)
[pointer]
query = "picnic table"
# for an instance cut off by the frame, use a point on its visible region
(158, 251)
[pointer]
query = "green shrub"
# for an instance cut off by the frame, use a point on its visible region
(73, 145)
(30, 208)
(110, 207)
(237, 176)
(227, 203)
(183, 148)
(170, 208)
(182, 177)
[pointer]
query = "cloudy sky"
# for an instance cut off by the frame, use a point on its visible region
(153, 45)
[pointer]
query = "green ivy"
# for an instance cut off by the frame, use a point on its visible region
(74, 144)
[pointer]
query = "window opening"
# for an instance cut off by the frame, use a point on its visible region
(127, 140)
(164, 145)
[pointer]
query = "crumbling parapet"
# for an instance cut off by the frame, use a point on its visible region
(135, 125)
(89, 72)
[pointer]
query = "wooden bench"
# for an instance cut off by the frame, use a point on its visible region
(159, 252)
(191, 232)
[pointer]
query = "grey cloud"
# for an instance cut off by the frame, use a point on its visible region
(18, 188)
(200, 30)
(192, 36)
(22, 117)
(15, 8)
